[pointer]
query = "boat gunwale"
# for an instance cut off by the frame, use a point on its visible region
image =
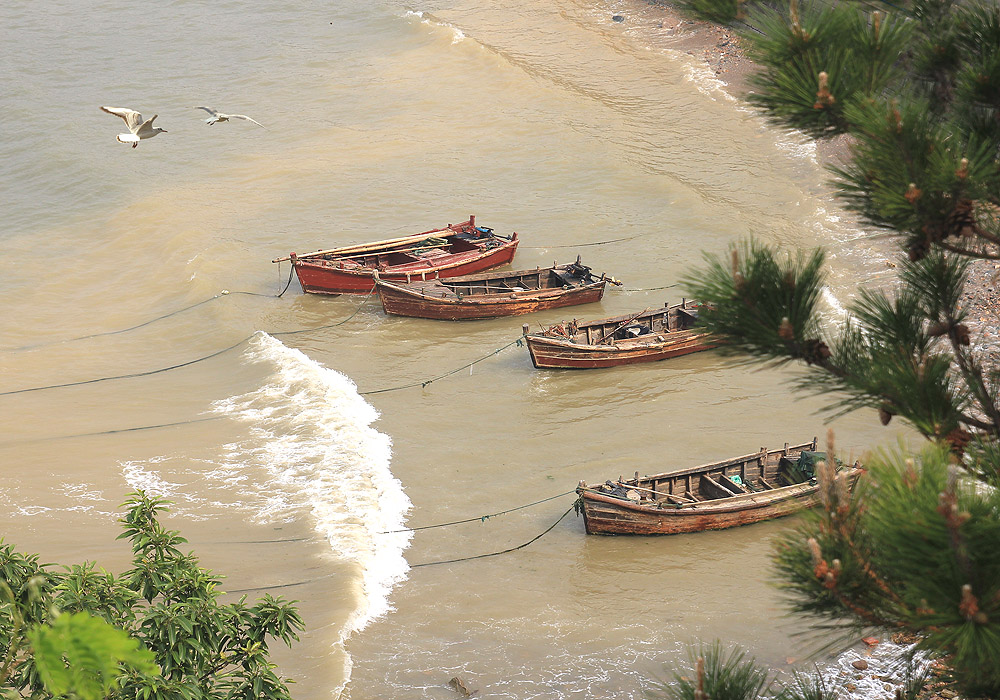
(620, 345)
(736, 502)
(361, 271)
(505, 297)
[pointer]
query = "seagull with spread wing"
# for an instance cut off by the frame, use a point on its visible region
(138, 129)
(218, 116)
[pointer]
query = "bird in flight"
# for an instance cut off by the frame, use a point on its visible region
(138, 129)
(218, 116)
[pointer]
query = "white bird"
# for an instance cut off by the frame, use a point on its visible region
(138, 129)
(218, 116)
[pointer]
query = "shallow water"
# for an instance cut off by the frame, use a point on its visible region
(550, 120)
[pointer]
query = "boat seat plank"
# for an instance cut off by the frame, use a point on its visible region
(713, 489)
(765, 483)
(728, 483)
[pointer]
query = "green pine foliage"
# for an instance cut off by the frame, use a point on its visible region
(915, 86)
(714, 673)
(156, 632)
(913, 548)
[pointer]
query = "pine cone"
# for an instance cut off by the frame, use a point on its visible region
(958, 439)
(885, 415)
(815, 352)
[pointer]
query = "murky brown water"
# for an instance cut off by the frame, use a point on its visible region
(548, 119)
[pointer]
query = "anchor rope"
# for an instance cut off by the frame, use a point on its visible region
(517, 341)
(580, 245)
(481, 518)
(289, 282)
(111, 432)
(503, 551)
(184, 364)
(629, 290)
(534, 539)
(221, 294)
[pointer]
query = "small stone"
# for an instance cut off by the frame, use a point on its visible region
(851, 687)
(618, 18)
(860, 664)
(948, 693)
(870, 641)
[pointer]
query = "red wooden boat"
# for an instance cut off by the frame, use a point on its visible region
(749, 489)
(647, 336)
(493, 294)
(456, 249)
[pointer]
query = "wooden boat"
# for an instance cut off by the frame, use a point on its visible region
(493, 294)
(760, 486)
(651, 334)
(456, 249)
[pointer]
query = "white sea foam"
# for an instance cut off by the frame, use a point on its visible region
(885, 671)
(457, 34)
(312, 446)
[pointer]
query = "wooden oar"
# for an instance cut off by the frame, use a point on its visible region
(397, 250)
(621, 325)
(440, 233)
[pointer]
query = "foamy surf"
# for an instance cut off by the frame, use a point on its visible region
(311, 435)
(457, 34)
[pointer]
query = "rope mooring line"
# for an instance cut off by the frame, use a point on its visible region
(183, 364)
(580, 245)
(424, 383)
(629, 290)
(289, 282)
(481, 518)
(534, 539)
(221, 294)
(131, 375)
(504, 551)
(134, 429)
(332, 325)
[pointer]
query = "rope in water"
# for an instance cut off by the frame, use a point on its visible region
(579, 245)
(534, 539)
(629, 290)
(112, 432)
(481, 518)
(221, 294)
(424, 383)
(189, 362)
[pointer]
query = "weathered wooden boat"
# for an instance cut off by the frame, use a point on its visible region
(749, 489)
(647, 336)
(493, 294)
(455, 250)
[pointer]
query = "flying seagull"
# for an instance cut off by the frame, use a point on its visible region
(218, 116)
(138, 129)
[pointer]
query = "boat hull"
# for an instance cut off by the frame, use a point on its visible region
(452, 251)
(555, 353)
(604, 515)
(326, 277)
(400, 301)
(752, 488)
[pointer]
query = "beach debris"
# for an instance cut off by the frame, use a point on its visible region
(860, 664)
(617, 18)
(458, 685)
(870, 641)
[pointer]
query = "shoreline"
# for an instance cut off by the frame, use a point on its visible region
(720, 49)
(872, 668)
